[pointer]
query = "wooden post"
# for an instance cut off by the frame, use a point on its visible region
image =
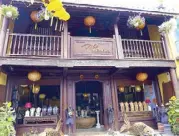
(6, 43)
(174, 82)
(65, 42)
(115, 103)
(166, 47)
(3, 34)
(118, 43)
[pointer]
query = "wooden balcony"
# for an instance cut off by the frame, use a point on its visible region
(29, 45)
(33, 45)
(143, 49)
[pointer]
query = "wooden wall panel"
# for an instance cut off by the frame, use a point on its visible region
(2, 94)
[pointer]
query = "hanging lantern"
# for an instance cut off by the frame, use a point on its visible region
(121, 89)
(141, 76)
(34, 76)
(137, 88)
(89, 21)
(85, 95)
(36, 16)
(81, 76)
(42, 96)
(36, 89)
(96, 76)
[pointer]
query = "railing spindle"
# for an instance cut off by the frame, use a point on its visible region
(27, 45)
(50, 50)
(54, 47)
(34, 52)
(43, 39)
(146, 49)
(23, 42)
(58, 44)
(38, 50)
(46, 45)
(19, 44)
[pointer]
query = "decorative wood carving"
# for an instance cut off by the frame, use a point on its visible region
(86, 47)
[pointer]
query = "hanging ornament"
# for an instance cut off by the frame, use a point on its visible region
(42, 96)
(141, 76)
(85, 95)
(81, 76)
(57, 9)
(34, 76)
(96, 76)
(36, 16)
(89, 21)
(136, 22)
(137, 88)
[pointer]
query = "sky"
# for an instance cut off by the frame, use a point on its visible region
(147, 4)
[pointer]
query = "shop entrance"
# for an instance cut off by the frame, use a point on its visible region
(89, 101)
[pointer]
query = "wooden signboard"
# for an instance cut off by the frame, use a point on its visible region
(95, 48)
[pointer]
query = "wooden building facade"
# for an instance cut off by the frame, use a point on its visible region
(74, 62)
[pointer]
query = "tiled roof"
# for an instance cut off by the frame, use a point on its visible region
(144, 5)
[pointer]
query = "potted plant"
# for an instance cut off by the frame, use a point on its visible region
(9, 11)
(7, 120)
(167, 27)
(137, 22)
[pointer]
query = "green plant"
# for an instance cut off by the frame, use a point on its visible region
(173, 114)
(10, 11)
(7, 120)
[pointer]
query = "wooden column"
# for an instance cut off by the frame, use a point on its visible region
(174, 82)
(71, 100)
(115, 103)
(3, 31)
(107, 101)
(3, 83)
(118, 43)
(65, 41)
(166, 47)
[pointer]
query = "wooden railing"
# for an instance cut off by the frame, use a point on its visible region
(32, 45)
(143, 49)
(82, 47)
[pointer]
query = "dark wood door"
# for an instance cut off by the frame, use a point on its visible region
(168, 91)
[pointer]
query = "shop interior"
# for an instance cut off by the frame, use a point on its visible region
(89, 100)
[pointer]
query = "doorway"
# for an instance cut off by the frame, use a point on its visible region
(89, 100)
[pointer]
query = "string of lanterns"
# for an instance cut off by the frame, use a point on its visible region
(35, 76)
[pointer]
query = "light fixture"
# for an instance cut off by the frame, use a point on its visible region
(85, 94)
(121, 89)
(42, 96)
(89, 21)
(137, 88)
(141, 76)
(36, 89)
